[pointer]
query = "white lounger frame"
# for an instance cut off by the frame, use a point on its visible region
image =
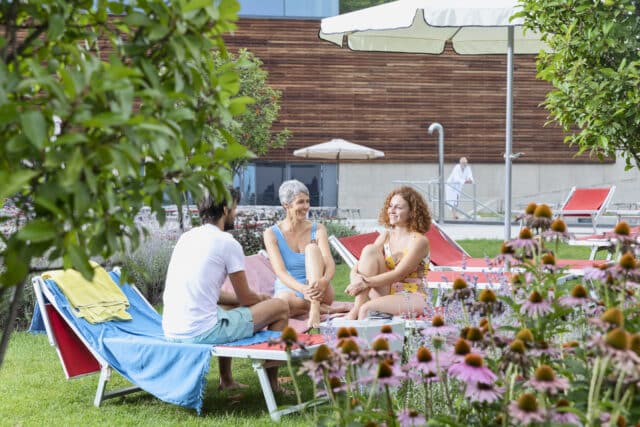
(258, 358)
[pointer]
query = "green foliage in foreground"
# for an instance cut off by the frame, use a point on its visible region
(594, 70)
(88, 139)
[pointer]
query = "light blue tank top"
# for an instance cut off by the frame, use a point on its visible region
(293, 261)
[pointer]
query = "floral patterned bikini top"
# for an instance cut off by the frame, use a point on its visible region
(414, 282)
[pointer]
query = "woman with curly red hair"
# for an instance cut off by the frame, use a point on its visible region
(391, 273)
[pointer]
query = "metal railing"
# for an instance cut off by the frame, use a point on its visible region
(429, 189)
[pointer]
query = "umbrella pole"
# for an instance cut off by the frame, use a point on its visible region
(508, 133)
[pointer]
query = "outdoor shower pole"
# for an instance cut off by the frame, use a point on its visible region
(438, 127)
(508, 134)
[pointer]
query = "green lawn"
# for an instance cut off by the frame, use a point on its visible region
(476, 248)
(34, 391)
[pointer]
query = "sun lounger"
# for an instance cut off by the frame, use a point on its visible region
(351, 247)
(587, 203)
(173, 372)
(445, 253)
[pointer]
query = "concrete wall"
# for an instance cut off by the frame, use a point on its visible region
(364, 186)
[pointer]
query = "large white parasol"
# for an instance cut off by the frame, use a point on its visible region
(424, 26)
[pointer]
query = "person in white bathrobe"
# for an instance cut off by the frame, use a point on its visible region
(460, 175)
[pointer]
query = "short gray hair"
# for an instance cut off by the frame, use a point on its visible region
(290, 189)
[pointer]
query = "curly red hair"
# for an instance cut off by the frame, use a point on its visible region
(419, 215)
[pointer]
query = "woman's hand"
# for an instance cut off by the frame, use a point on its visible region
(357, 286)
(317, 289)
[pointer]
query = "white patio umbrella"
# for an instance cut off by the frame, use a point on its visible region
(424, 26)
(338, 149)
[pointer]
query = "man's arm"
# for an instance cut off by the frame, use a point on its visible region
(245, 296)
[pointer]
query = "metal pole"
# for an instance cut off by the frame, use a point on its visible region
(508, 134)
(432, 128)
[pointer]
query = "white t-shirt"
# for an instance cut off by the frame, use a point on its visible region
(200, 262)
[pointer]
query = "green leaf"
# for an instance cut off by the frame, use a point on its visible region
(56, 26)
(38, 230)
(34, 127)
(239, 104)
(195, 4)
(13, 182)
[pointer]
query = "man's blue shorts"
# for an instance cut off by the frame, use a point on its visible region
(232, 325)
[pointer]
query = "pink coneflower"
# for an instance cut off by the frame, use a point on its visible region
(526, 409)
(616, 344)
(421, 365)
(323, 362)
(564, 417)
(388, 373)
(525, 241)
(481, 392)
(438, 327)
(535, 305)
(386, 332)
(557, 231)
(578, 297)
(472, 370)
(541, 348)
(411, 418)
(545, 380)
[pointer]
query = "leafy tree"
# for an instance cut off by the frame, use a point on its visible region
(594, 69)
(142, 109)
(253, 127)
(351, 5)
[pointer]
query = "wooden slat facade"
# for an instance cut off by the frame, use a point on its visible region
(387, 101)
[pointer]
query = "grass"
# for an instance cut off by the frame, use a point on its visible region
(34, 391)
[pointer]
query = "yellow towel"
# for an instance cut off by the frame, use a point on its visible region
(97, 301)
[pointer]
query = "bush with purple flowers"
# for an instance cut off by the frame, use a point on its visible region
(538, 349)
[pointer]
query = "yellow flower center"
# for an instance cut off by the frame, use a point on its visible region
(613, 316)
(343, 333)
(535, 297)
(559, 226)
(528, 402)
(424, 355)
(474, 334)
(473, 359)
(544, 373)
(525, 233)
(462, 347)
(322, 354)
(380, 344)
(487, 296)
(459, 284)
(384, 370)
(618, 338)
(531, 208)
(579, 291)
(622, 228)
(543, 211)
(437, 321)
(525, 335)
(517, 346)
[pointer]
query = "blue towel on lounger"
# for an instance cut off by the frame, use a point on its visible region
(137, 349)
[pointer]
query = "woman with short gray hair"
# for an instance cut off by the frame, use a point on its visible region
(299, 253)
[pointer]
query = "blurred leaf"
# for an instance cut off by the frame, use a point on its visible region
(34, 127)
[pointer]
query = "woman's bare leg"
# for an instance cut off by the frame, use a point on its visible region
(297, 305)
(371, 262)
(314, 266)
(394, 304)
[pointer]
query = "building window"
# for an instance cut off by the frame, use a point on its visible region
(259, 182)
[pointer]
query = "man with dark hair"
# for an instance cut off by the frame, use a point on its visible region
(194, 303)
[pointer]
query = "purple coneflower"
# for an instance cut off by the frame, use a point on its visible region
(535, 305)
(323, 361)
(557, 231)
(438, 327)
(386, 332)
(411, 418)
(578, 297)
(472, 370)
(524, 241)
(421, 365)
(482, 392)
(388, 373)
(616, 344)
(526, 409)
(545, 380)
(564, 417)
